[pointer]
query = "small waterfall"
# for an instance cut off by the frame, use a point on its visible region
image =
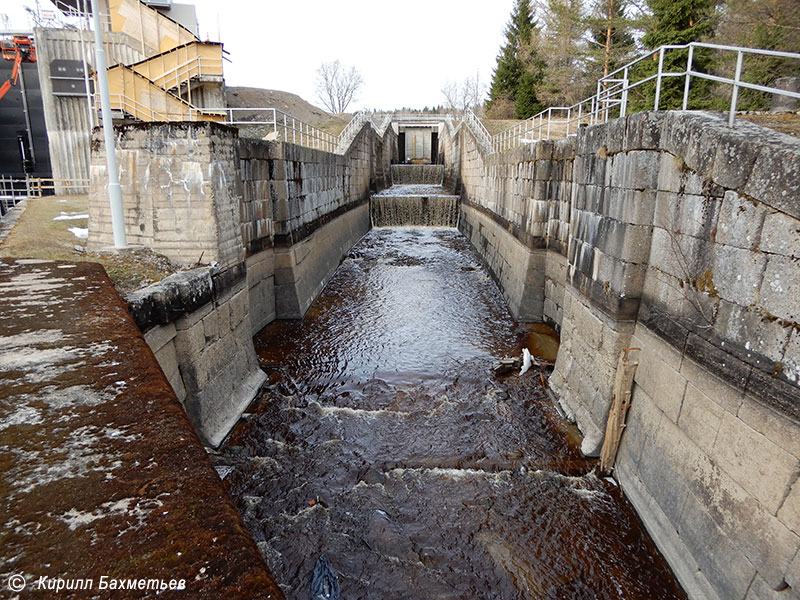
(417, 174)
(413, 210)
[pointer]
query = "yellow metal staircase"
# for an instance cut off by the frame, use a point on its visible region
(160, 87)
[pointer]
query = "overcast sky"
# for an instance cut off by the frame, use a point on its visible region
(405, 51)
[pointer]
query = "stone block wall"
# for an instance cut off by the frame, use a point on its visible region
(198, 325)
(675, 234)
(515, 210)
(180, 191)
(302, 210)
(273, 219)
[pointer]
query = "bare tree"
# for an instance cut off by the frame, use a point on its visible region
(337, 85)
(467, 94)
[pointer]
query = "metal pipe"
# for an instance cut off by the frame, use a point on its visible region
(114, 191)
(658, 79)
(623, 109)
(689, 61)
(735, 93)
(85, 58)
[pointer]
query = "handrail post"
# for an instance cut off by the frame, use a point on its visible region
(735, 94)
(658, 78)
(689, 65)
(623, 110)
(549, 120)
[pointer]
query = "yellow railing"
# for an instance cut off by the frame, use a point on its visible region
(140, 98)
(171, 69)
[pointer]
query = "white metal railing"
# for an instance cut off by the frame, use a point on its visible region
(284, 127)
(351, 130)
(613, 91)
(137, 109)
(471, 120)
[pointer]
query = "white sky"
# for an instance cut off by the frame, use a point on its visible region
(405, 51)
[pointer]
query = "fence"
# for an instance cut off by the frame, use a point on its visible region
(612, 97)
(15, 189)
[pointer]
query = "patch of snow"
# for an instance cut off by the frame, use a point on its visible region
(79, 232)
(68, 216)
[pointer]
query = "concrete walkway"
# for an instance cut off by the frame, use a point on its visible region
(105, 484)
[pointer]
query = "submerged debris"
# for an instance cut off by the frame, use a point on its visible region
(324, 581)
(506, 365)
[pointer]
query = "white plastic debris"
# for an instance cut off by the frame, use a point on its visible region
(526, 361)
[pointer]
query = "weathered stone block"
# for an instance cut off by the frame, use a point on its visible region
(737, 274)
(736, 153)
(780, 235)
(754, 462)
(789, 513)
(700, 418)
(740, 221)
(159, 336)
(697, 216)
(211, 327)
(780, 288)
(775, 179)
(663, 383)
(752, 336)
(643, 131)
(721, 562)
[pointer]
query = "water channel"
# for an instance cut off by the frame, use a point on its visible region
(385, 442)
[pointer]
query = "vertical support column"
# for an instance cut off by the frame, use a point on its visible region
(659, 77)
(735, 94)
(114, 191)
(623, 110)
(687, 83)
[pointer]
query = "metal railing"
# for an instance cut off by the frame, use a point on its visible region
(199, 66)
(612, 96)
(14, 189)
(284, 127)
(471, 120)
(350, 130)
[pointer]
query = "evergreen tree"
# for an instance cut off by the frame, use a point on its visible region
(611, 42)
(768, 24)
(677, 22)
(510, 78)
(564, 80)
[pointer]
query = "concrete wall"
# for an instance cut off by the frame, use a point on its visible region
(69, 123)
(675, 234)
(308, 207)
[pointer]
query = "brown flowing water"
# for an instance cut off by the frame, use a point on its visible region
(385, 442)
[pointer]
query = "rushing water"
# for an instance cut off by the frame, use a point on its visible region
(385, 442)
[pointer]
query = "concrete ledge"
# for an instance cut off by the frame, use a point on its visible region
(103, 473)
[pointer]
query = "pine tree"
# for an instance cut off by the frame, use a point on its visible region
(611, 42)
(677, 22)
(510, 78)
(564, 80)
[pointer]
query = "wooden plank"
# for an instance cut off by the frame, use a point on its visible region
(617, 416)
